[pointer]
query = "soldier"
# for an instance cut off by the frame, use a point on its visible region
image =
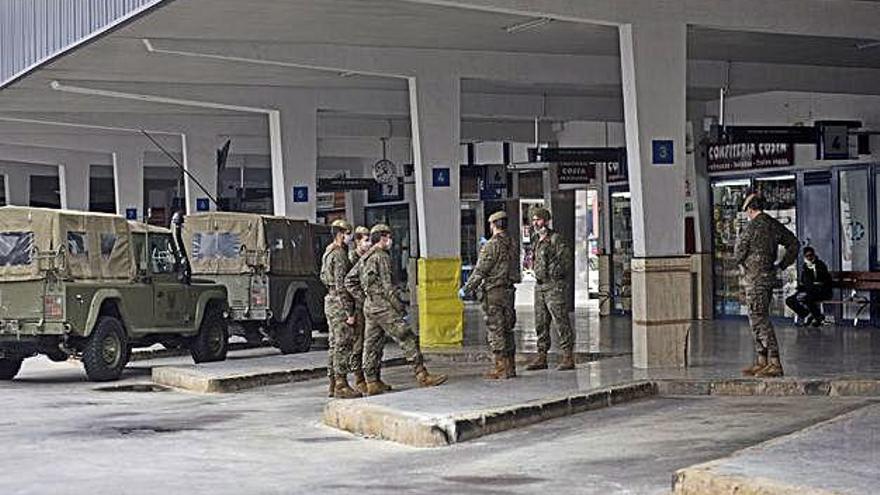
(492, 275)
(339, 308)
(756, 251)
(361, 246)
(552, 263)
(385, 314)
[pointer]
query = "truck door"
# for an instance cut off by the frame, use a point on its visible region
(172, 307)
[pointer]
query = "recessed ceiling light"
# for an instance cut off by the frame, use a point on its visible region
(527, 25)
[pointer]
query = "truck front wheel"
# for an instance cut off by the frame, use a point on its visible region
(212, 342)
(9, 367)
(295, 334)
(107, 350)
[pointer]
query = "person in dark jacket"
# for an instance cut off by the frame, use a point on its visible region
(814, 287)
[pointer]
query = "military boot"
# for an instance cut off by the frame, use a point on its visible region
(500, 369)
(426, 379)
(567, 361)
(343, 390)
(772, 370)
(332, 389)
(539, 363)
(360, 383)
(375, 388)
(511, 364)
(385, 386)
(760, 363)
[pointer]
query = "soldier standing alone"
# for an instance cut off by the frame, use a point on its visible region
(339, 308)
(385, 314)
(552, 264)
(492, 275)
(756, 251)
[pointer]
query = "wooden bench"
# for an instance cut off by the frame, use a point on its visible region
(855, 282)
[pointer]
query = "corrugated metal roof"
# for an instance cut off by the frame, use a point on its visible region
(32, 31)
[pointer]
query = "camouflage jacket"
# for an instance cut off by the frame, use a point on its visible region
(374, 276)
(552, 260)
(758, 248)
(334, 266)
(493, 265)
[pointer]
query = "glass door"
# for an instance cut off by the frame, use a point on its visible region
(855, 222)
(621, 250)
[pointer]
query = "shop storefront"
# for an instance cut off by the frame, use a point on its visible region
(833, 209)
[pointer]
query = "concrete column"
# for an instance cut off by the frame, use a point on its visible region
(435, 113)
(18, 187)
(293, 141)
(200, 160)
(73, 183)
(128, 180)
(653, 63)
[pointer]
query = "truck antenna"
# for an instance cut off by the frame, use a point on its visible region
(182, 168)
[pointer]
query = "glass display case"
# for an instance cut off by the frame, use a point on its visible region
(621, 250)
(780, 195)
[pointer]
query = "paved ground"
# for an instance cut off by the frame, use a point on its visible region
(60, 435)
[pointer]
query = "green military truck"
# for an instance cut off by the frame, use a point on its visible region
(92, 286)
(270, 270)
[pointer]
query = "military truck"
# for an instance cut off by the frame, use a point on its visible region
(92, 286)
(270, 271)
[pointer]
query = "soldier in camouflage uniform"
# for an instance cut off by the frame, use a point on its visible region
(339, 308)
(361, 246)
(756, 251)
(492, 277)
(385, 314)
(552, 264)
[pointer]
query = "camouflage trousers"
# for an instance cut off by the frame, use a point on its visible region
(551, 309)
(378, 325)
(758, 298)
(342, 337)
(500, 319)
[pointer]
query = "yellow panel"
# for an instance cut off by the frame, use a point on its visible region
(441, 313)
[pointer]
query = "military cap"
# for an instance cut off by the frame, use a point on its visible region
(540, 212)
(380, 228)
(498, 215)
(361, 230)
(341, 223)
(754, 201)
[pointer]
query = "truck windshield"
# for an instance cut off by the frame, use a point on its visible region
(214, 245)
(15, 248)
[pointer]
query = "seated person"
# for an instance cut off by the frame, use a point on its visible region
(814, 287)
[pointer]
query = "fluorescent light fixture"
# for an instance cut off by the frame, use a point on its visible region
(527, 25)
(622, 194)
(777, 178)
(347, 73)
(733, 183)
(867, 44)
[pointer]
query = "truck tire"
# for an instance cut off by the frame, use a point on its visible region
(9, 367)
(107, 350)
(212, 342)
(295, 334)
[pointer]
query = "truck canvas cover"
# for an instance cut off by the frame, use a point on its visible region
(230, 243)
(86, 245)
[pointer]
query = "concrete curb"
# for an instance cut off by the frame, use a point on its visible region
(783, 387)
(365, 419)
(192, 379)
(486, 356)
(701, 480)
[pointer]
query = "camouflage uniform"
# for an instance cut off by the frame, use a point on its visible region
(552, 263)
(492, 275)
(383, 311)
(338, 306)
(756, 251)
(357, 348)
